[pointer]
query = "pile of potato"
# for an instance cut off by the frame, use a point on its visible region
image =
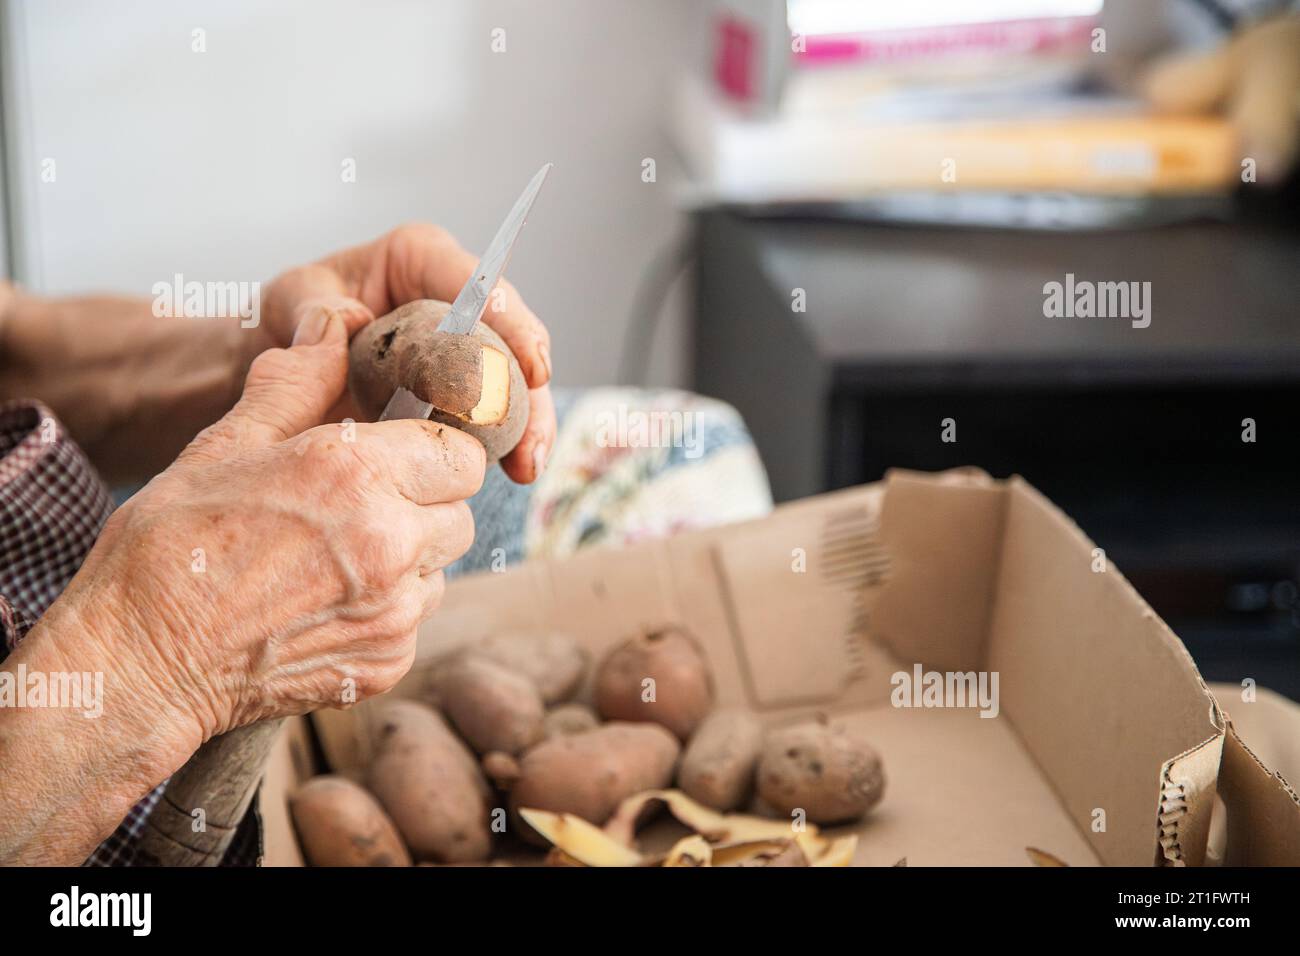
(501, 744)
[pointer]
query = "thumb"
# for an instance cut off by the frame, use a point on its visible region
(288, 391)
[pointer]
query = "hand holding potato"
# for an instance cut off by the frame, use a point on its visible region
(413, 262)
(182, 587)
(473, 381)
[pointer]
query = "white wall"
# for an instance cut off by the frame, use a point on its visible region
(226, 164)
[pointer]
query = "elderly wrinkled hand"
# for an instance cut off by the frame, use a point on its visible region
(182, 593)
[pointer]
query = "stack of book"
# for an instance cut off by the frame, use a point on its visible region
(831, 101)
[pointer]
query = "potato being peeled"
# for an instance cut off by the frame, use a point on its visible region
(472, 380)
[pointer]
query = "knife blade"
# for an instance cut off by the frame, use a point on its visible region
(473, 297)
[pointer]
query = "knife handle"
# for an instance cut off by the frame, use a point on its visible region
(219, 780)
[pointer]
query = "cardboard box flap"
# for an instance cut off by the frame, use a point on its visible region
(1262, 809)
(1187, 791)
(943, 534)
(798, 589)
(1104, 696)
(827, 604)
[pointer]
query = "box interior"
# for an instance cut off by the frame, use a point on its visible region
(813, 609)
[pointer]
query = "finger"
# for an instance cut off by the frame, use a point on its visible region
(426, 262)
(305, 284)
(287, 391)
(434, 585)
(423, 461)
(440, 534)
(419, 596)
(527, 461)
(309, 317)
(523, 332)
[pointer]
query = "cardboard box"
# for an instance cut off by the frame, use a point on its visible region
(1102, 745)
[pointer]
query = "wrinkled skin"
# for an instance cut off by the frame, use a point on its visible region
(280, 564)
(361, 526)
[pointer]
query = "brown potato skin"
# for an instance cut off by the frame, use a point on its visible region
(829, 774)
(553, 661)
(494, 708)
(501, 768)
(683, 684)
(404, 348)
(589, 774)
(568, 719)
(430, 784)
(340, 824)
(719, 763)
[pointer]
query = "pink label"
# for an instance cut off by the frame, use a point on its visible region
(735, 56)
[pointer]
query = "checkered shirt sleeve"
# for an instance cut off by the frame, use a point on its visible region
(52, 508)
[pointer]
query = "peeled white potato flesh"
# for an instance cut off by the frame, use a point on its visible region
(494, 400)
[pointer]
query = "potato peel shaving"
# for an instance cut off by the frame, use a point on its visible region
(1043, 858)
(730, 839)
(713, 826)
(576, 838)
(693, 850)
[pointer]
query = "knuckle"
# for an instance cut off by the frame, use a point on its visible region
(212, 443)
(320, 453)
(335, 306)
(389, 652)
(377, 553)
(272, 365)
(347, 468)
(387, 676)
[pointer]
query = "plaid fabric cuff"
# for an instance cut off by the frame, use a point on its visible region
(52, 508)
(14, 625)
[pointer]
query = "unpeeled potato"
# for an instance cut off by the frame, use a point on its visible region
(661, 676)
(718, 765)
(569, 719)
(589, 774)
(340, 824)
(829, 774)
(430, 784)
(493, 707)
(552, 660)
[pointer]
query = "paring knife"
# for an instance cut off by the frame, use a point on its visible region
(473, 297)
